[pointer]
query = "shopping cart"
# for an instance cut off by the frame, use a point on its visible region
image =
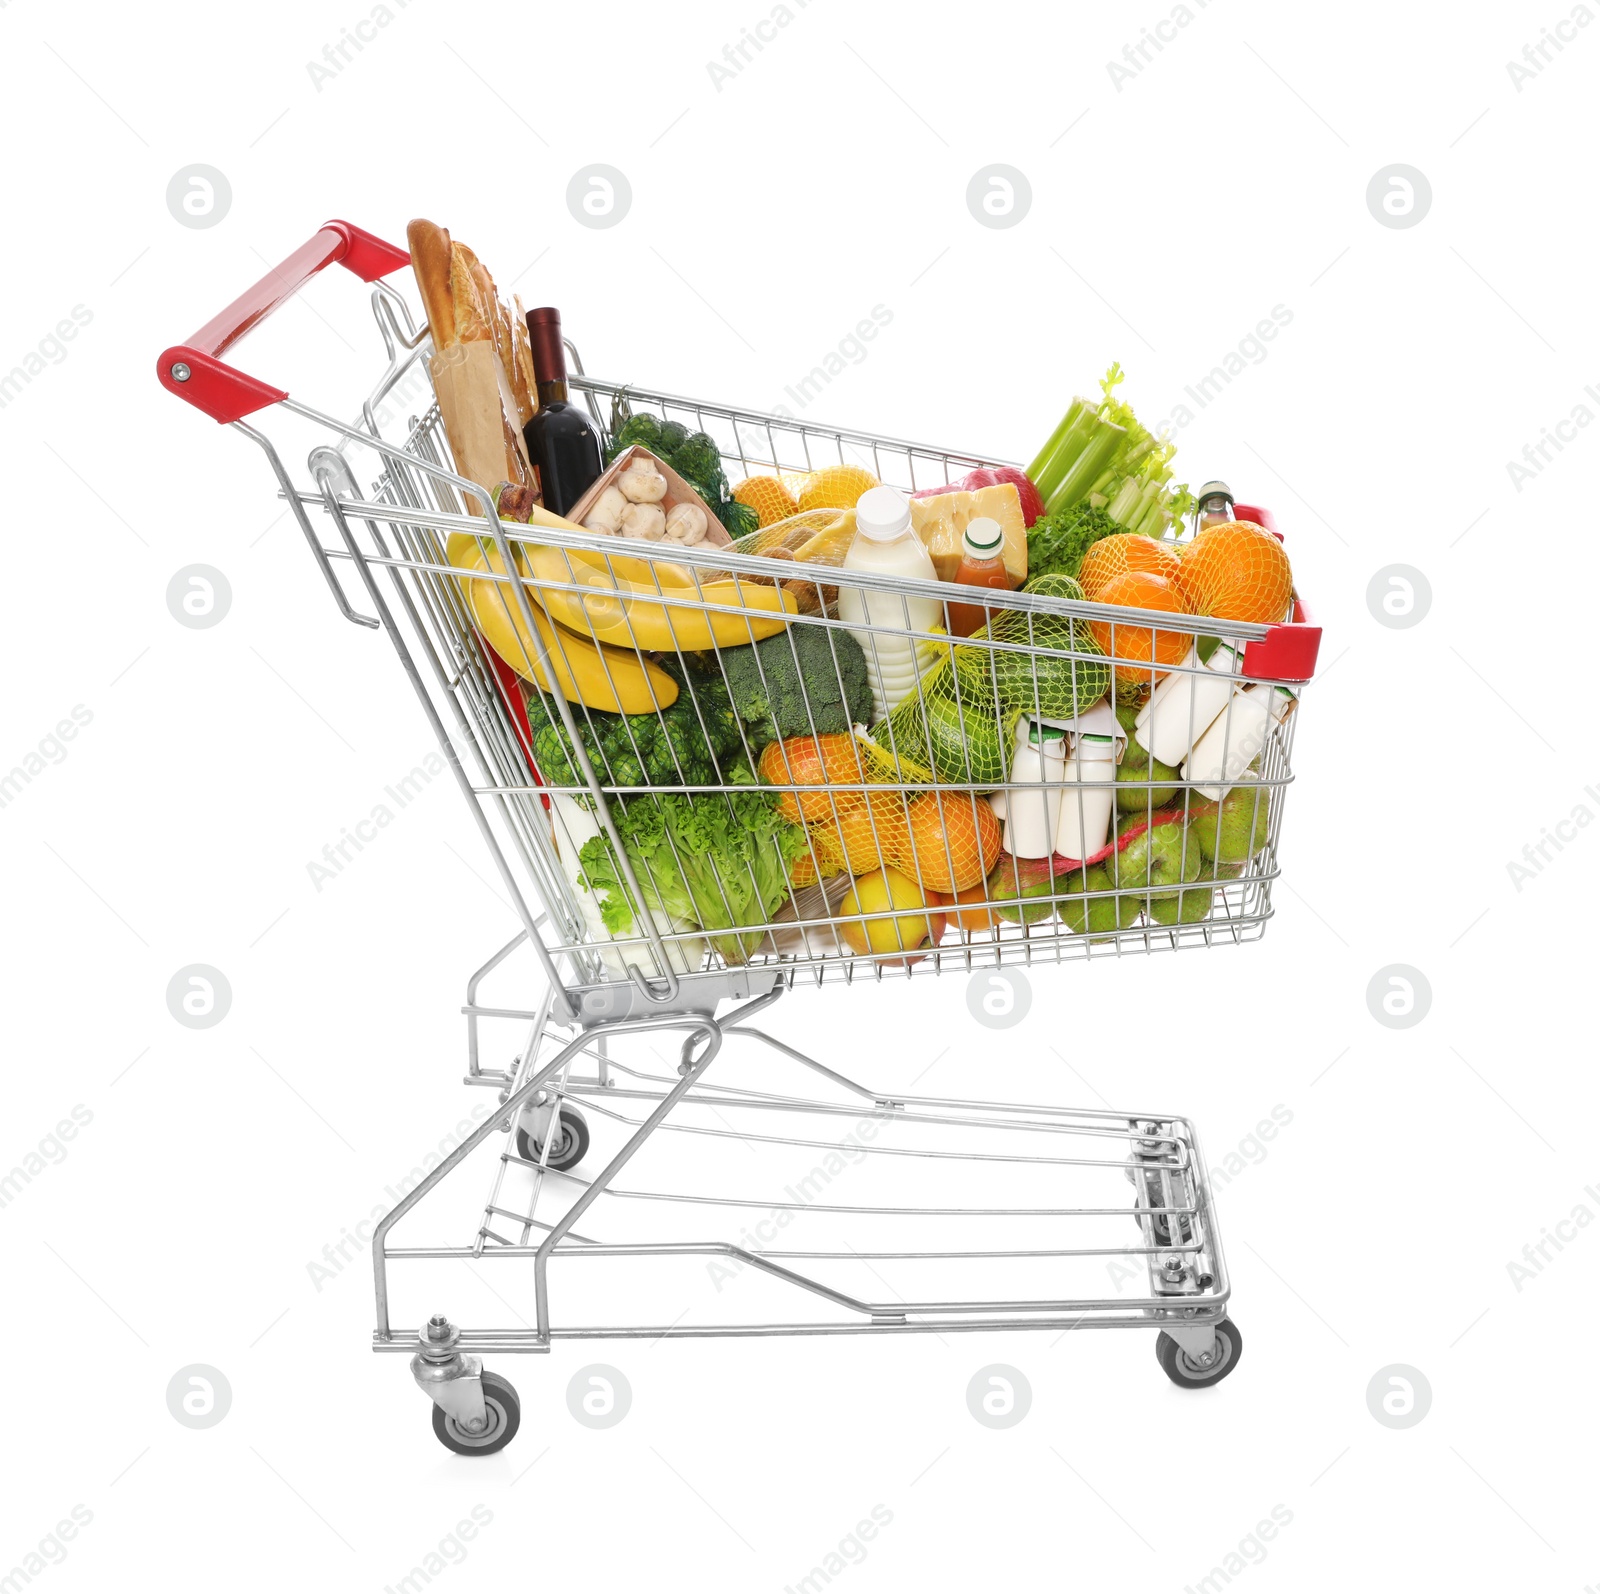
(845, 1215)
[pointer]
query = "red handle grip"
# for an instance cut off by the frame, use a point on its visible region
(1286, 652)
(193, 370)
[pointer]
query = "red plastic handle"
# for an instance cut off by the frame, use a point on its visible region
(193, 370)
(1286, 652)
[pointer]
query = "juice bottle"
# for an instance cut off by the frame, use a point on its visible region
(982, 565)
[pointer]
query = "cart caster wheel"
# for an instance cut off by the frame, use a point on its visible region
(1189, 1374)
(572, 1143)
(505, 1416)
(1161, 1224)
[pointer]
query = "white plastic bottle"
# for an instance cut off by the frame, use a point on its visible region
(1032, 814)
(1184, 704)
(886, 545)
(1088, 796)
(1225, 753)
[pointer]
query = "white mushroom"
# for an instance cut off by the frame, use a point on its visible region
(642, 483)
(607, 513)
(644, 521)
(686, 523)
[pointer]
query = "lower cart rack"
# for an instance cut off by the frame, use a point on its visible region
(851, 1210)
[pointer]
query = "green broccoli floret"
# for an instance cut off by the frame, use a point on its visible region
(674, 434)
(643, 429)
(677, 746)
(804, 680)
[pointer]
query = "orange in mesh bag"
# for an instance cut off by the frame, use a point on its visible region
(1116, 555)
(1236, 571)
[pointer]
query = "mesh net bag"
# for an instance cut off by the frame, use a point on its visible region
(1236, 571)
(816, 537)
(948, 730)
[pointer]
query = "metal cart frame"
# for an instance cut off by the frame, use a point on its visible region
(597, 998)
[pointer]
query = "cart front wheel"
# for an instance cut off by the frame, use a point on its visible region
(505, 1416)
(1186, 1372)
(571, 1144)
(1161, 1225)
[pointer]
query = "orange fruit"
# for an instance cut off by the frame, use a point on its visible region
(971, 909)
(953, 841)
(1116, 555)
(770, 499)
(1132, 644)
(821, 859)
(836, 487)
(814, 761)
(872, 834)
(1236, 571)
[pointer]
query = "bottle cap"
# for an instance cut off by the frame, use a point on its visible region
(883, 513)
(1213, 490)
(983, 538)
(1096, 747)
(1040, 734)
(544, 339)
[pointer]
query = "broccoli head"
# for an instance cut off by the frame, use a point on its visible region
(682, 745)
(804, 680)
(643, 429)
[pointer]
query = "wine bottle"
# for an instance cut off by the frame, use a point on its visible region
(561, 442)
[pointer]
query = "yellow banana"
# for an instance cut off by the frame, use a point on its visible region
(612, 678)
(621, 605)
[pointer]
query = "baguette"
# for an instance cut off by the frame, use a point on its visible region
(472, 316)
(524, 384)
(430, 261)
(475, 362)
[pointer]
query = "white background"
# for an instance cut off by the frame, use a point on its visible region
(1168, 216)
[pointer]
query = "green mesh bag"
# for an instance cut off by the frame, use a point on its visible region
(960, 736)
(1031, 683)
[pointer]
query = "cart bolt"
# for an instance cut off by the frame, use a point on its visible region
(180, 371)
(438, 1327)
(1173, 1264)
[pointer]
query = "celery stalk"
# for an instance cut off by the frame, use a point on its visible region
(1085, 470)
(1084, 427)
(1129, 499)
(1075, 411)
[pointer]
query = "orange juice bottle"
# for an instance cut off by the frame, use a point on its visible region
(982, 565)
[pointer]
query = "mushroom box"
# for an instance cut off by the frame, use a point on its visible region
(644, 499)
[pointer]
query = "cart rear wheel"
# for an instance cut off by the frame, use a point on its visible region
(505, 1417)
(571, 1145)
(1187, 1373)
(1161, 1223)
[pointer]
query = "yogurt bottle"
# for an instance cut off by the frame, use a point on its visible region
(1184, 704)
(1031, 814)
(1223, 755)
(886, 545)
(1088, 797)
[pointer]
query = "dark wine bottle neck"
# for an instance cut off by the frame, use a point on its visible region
(553, 392)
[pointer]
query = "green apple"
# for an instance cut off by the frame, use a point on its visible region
(1234, 830)
(1138, 765)
(1096, 915)
(1158, 858)
(1014, 880)
(1188, 906)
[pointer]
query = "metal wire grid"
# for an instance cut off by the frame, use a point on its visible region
(1175, 1251)
(749, 441)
